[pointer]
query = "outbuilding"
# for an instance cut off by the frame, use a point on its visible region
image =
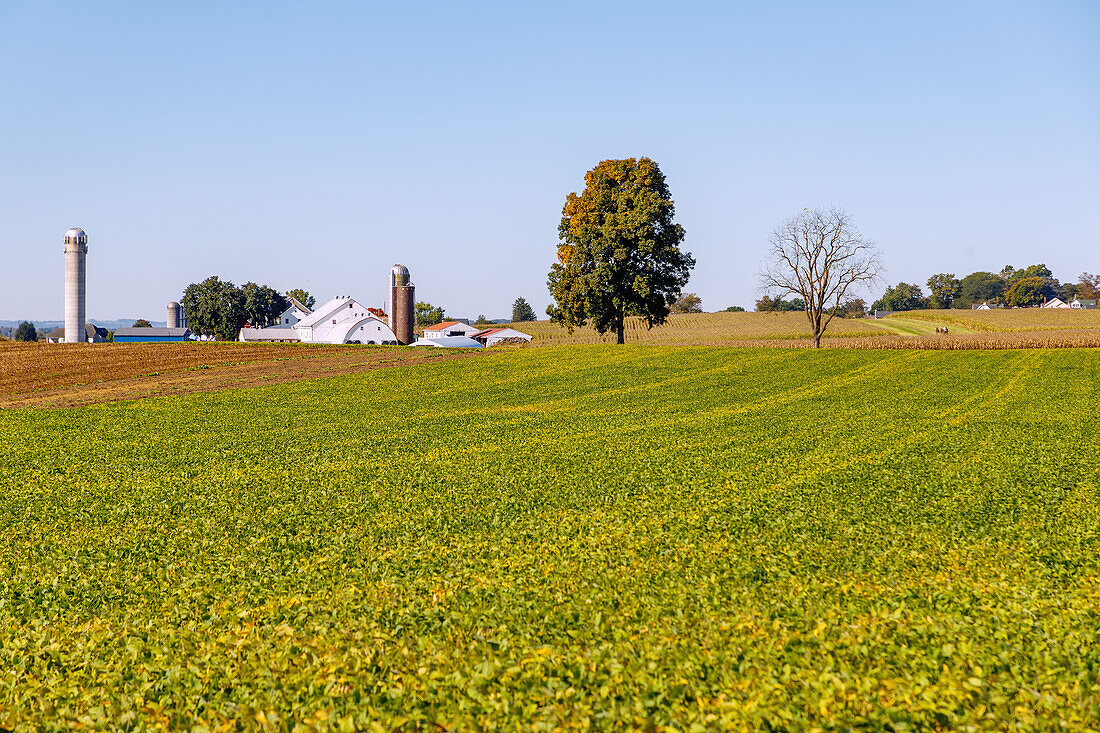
(493, 336)
(448, 329)
(131, 335)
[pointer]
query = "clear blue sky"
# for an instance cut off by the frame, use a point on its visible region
(315, 144)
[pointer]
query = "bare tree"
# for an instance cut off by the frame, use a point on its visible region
(818, 257)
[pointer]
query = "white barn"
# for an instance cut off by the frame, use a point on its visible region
(342, 320)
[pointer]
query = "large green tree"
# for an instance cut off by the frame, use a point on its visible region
(979, 287)
(901, 297)
(428, 315)
(1027, 292)
(214, 307)
(944, 288)
(262, 305)
(618, 250)
(522, 311)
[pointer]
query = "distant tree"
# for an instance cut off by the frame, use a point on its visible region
(767, 304)
(428, 315)
(734, 309)
(818, 256)
(619, 250)
(482, 321)
(142, 323)
(687, 303)
(26, 332)
(1027, 292)
(1067, 291)
(522, 311)
(302, 296)
(944, 288)
(1088, 286)
(262, 305)
(979, 287)
(214, 308)
(901, 297)
(854, 308)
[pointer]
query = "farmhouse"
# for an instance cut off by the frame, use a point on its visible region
(1083, 304)
(132, 335)
(1055, 303)
(448, 329)
(92, 334)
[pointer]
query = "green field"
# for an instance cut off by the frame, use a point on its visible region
(578, 537)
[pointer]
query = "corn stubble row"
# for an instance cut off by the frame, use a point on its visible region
(678, 539)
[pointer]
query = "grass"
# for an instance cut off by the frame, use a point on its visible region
(677, 538)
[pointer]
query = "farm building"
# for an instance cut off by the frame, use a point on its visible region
(342, 320)
(1083, 304)
(448, 329)
(450, 342)
(92, 334)
(132, 335)
(294, 313)
(1055, 303)
(493, 336)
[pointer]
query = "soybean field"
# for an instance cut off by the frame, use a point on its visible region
(566, 538)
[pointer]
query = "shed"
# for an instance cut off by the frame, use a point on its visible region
(493, 336)
(131, 335)
(462, 342)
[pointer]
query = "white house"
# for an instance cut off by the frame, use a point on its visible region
(1055, 303)
(449, 328)
(492, 336)
(342, 320)
(294, 313)
(984, 307)
(1083, 304)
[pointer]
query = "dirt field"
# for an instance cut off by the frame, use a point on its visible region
(68, 375)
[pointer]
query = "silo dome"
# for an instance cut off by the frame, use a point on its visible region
(76, 233)
(399, 275)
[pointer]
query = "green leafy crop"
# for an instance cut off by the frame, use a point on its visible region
(566, 538)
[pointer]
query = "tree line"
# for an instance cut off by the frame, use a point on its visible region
(1017, 288)
(217, 308)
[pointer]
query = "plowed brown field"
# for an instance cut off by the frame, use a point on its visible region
(68, 375)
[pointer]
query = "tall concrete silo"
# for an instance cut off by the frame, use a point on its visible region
(76, 254)
(175, 311)
(402, 305)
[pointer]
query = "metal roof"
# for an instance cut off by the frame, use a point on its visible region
(154, 331)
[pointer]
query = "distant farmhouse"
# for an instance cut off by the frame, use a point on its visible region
(1075, 304)
(92, 334)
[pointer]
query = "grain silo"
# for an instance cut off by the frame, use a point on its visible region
(402, 305)
(76, 254)
(175, 311)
